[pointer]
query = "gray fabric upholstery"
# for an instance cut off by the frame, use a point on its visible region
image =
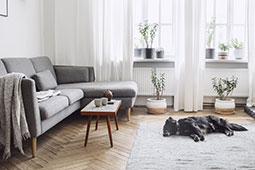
(73, 95)
(21, 65)
(2, 69)
(31, 107)
(45, 80)
(52, 106)
(43, 63)
(96, 89)
(48, 123)
(74, 74)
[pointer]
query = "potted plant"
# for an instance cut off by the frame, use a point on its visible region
(157, 105)
(238, 51)
(223, 54)
(210, 31)
(148, 32)
(138, 49)
(224, 88)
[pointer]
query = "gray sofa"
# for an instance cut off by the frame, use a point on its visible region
(77, 85)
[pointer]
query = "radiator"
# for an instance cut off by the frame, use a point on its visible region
(142, 76)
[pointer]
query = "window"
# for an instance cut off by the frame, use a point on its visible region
(230, 18)
(160, 12)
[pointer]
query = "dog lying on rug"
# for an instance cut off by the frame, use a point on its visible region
(197, 127)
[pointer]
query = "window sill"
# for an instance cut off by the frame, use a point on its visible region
(226, 61)
(226, 64)
(156, 60)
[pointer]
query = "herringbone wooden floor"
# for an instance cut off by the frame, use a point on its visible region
(62, 146)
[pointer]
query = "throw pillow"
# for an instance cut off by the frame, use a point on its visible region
(44, 80)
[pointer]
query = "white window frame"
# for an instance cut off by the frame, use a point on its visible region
(229, 23)
(160, 24)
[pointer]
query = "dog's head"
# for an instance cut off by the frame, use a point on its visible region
(170, 127)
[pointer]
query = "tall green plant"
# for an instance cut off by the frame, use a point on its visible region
(148, 32)
(210, 31)
(159, 83)
(224, 87)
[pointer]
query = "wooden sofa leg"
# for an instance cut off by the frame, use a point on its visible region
(128, 113)
(34, 140)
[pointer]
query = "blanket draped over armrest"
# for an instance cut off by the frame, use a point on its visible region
(13, 124)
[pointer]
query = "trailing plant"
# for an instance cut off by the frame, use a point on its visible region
(224, 87)
(224, 47)
(236, 44)
(148, 32)
(210, 31)
(159, 83)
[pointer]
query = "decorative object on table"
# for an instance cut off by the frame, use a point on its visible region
(108, 94)
(160, 53)
(224, 89)
(98, 102)
(157, 105)
(238, 51)
(4, 8)
(223, 54)
(148, 32)
(104, 101)
(210, 31)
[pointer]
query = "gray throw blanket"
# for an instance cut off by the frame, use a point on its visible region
(13, 124)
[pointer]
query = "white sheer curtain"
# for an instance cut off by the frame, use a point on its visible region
(251, 52)
(97, 33)
(190, 54)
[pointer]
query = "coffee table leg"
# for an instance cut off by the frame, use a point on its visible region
(109, 129)
(87, 133)
(97, 122)
(116, 122)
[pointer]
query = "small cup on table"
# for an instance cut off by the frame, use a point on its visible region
(98, 102)
(104, 101)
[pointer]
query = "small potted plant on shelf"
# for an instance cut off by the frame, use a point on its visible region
(148, 32)
(210, 31)
(224, 88)
(238, 51)
(223, 54)
(138, 47)
(158, 104)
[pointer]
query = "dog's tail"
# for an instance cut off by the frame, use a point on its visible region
(236, 127)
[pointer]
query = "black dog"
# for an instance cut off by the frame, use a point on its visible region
(196, 127)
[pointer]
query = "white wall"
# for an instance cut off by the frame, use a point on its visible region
(20, 32)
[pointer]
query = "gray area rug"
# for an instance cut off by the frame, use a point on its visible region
(153, 151)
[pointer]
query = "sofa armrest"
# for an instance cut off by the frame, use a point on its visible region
(31, 107)
(74, 74)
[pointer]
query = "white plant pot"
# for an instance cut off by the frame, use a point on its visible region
(155, 106)
(225, 106)
(238, 53)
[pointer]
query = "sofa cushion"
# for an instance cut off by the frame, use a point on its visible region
(43, 63)
(21, 65)
(44, 80)
(52, 106)
(73, 95)
(72, 74)
(2, 69)
(96, 89)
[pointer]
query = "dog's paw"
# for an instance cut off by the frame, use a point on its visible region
(166, 134)
(196, 138)
(202, 138)
(230, 133)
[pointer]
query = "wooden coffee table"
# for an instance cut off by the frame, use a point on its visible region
(109, 110)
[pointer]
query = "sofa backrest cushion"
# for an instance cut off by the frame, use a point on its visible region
(20, 65)
(42, 64)
(45, 81)
(2, 69)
